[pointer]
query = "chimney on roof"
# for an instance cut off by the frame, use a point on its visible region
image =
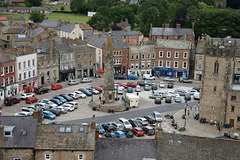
(178, 25)
(52, 45)
(166, 25)
(1, 135)
(93, 125)
(163, 25)
(37, 114)
(126, 20)
(193, 24)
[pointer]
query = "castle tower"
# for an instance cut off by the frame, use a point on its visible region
(220, 4)
(108, 86)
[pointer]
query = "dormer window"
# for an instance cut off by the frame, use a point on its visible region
(8, 131)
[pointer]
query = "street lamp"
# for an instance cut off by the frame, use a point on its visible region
(185, 113)
(92, 93)
(125, 97)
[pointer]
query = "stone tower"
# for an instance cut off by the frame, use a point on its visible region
(220, 4)
(108, 86)
(216, 81)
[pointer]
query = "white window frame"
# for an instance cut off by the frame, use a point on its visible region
(2, 71)
(149, 56)
(176, 53)
(136, 56)
(167, 64)
(85, 63)
(47, 156)
(143, 56)
(115, 53)
(136, 65)
(132, 65)
(159, 63)
(19, 65)
(80, 157)
(8, 81)
(85, 56)
(132, 58)
(120, 53)
(153, 64)
(169, 52)
(17, 158)
(3, 84)
(12, 79)
(153, 56)
(8, 135)
(148, 65)
(184, 55)
(91, 55)
(175, 62)
(33, 62)
(143, 65)
(160, 53)
(7, 69)
(183, 64)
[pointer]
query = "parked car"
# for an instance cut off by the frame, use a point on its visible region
(196, 96)
(162, 84)
(138, 89)
(85, 91)
(170, 85)
(75, 104)
(67, 97)
(93, 91)
(61, 109)
(25, 95)
(125, 123)
(180, 92)
(178, 99)
(169, 79)
(108, 128)
(187, 97)
(118, 126)
(157, 116)
(56, 101)
(120, 134)
(101, 129)
(128, 133)
(132, 84)
(48, 115)
(148, 77)
(74, 95)
(149, 82)
(72, 82)
(42, 90)
(191, 91)
(50, 103)
(60, 98)
(119, 76)
(56, 86)
(30, 110)
(135, 123)
(86, 80)
(196, 88)
(148, 130)
(164, 94)
(142, 121)
(69, 107)
(55, 111)
(171, 93)
(120, 90)
(141, 83)
(155, 95)
(132, 77)
(168, 99)
(98, 88)
(137, 131)
(110, 135)
(147, 87)
(154, 87)
(22, 113)
(150, 119)
(130, 90)
(158, 100)
(11, 100)
(31, 100)
(44, 106)
(185, 80)
(80, 94)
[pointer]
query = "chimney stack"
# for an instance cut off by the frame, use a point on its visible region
(178, 25)
(93, 122)
(52, 45)
(97, 134)
(38, 115)
(163, 25)
(166, 25)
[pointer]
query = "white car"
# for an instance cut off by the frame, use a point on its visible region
(72, 82)
(138, 89)
(125, 123)
(162, 84)
(62, 109)
(74, 95)
(178, 99)
(196, 96)
(42, 105)
(148, 77)
(81, 95)
(26, 95)
(169, 79)
(120, 90)
(85, 80)
(30, 110)
(50, 103)
(69, 107)
(22, 113)
(171, 93)
(192, 91)
(142, 121)
(75, 104)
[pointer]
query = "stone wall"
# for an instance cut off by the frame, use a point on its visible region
(10, 154)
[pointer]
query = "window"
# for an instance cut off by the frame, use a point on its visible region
(176, 54)
(160, 63)
(85, 56)
(168, 54)
(136, 65)
(80, 157)
(143, 56)
(81, 129)
(48, 63)
(232, 108)
(168, 63)
(17, 158)
(184, 64)
(33, 62)
(7, 70)
(42, 64)
(200, 58)
(238, 119)
(160, 53)
(12, 69)
(136, 56)
(24, 75)
(66, 56)
(85, 63)
(47, 156)
(132, 65)
(68, 129)
(79, 56)
(2, 71)
(175, 64)
(7, 81)
(233, 98)
(199, 66)
(91, 63)
(29, 73)
(120, 53)
(71, 54)
(215, 88)
(8, 38)
(20, 76)
(143, 65)
(33, 73)
(216, 67)
(153, 64)
(153, 56)
(132, 57)
(149, 56)
(54, 62)
(24, 64)
(61, 129)
(28, 63)
(148, 65)
(61, 57)
(115, 53)
(3, 82)
(185, 55)
(19, 65)
(12, 79)
(91, 55)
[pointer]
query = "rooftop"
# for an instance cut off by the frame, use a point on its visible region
(12, 29)
(66, 27)
(50, 23)
(142, 49)
(3, 59)
(173, 44)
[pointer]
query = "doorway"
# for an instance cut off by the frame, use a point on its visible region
(42, 80)
(231, 123)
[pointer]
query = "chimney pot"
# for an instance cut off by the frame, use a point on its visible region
(178, 25)
(166, 25)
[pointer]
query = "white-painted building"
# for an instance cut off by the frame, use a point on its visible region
(71, 31)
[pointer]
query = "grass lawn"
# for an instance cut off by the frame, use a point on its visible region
(73, 18)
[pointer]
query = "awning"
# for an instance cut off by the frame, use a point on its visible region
(100, 70)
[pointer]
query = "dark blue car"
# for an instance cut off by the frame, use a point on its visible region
(132, 77)
(56, 101)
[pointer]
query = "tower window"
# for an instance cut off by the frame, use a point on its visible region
(216, 67)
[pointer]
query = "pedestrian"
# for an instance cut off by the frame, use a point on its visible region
(188, 112)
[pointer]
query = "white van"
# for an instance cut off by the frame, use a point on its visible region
(148, 77)
(132, 99)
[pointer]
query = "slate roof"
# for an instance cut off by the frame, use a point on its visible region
(64, 47)
(173, 44)
(124, 149)
(36, 31)
(200, 47)
(4, 59)
(87, 35)
(98, 40)
(118, 43)
(50, 23)
(44, 45)
(124, 33)
(12, 29)
(172, 32)
(49, 137)
(142, 49)
(19, 19)
(66, 27)
(22, 38)
(21, 123)
(39, 9)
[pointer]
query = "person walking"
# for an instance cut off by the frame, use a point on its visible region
(188, 112)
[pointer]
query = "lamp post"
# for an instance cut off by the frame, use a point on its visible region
(92, 93)
(125, 98)
(185, 113)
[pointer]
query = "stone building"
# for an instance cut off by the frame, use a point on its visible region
(18, 21)
(220, 4)
(8, 32)
(85, 59)
(71, 31)
(199, 60)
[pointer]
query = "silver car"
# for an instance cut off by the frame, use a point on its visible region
(72, 82)
(86, 80)
(169, 79)
(162, 84)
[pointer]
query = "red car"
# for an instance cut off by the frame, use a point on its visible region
(132, 84)
(56, 86)
(137, 131)
(98, 88)
(31, 100)
(119, 83)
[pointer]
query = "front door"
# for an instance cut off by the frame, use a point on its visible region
(231, 123)
(42, 80)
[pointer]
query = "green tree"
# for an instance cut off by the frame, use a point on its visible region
(31, 3)
(62, 8)
(79, 6)
(36, 17)
(99, 22)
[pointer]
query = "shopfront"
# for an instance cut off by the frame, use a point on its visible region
(198, 75)
(28, 85)
(236, 78)
(169, 72)
(67, 74)
(135, 72)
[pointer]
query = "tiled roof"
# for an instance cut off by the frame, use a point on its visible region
(66, 27)
(3, 19)
(124, 149)
(49, 137)
(124, 33)
(13, 29)
(142, 49)
(173, 44)
(36, 31)
(64, 47)
(50, 23)
(119, 43)
(4, 59)
(85, 26)
(98, 40)
(18, 140)
(22, 38)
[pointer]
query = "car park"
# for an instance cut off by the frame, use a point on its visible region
(74, 95)
(187, 97)
(61, 109)
(56, 86)
(168, 99)
(125, 123)
(185, 80)
(130, 90)
(154, 87)
(169, 79)
(50, 103)
(132, 77)
(69, 107)
(196, 88)
(93, 91)
(138, 89)
(110, 135)
(150, 119)
(11, 100)
(171, 93)
(142, 121)
(85, 91)
(196, 96)
(31, 107)
(42, 106)
(157, 100)
(86, 80)
(180, 92)
(118, 126)
(72, 82)
(141, 83)
(149, 82)
(75, 104)
(148, 130)
(148, 77)
(67, 97)
(178, 99)
(164, 94)
(120, 134)
(48, 115)
(30, 110)
(157, 116)
(56, 101)
(25, 95)
(128, 133)
(31, 100)
(170, 85)
(22, 113)
(98, 88)
(131, 84)
(60, 98)
(162, 84)
(42, 90)
(137, 131)
(120, 90)
(101, 129)
(147, 87)
(135, 123)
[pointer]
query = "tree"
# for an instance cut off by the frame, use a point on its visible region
(31, 3)
(36, 17)
(62, 8)
(99, 22)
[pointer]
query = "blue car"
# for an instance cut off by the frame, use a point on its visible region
(101, 130)
(48, 115)
(56, 101)
(60, 98)
(120, 134)
(132, 77)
